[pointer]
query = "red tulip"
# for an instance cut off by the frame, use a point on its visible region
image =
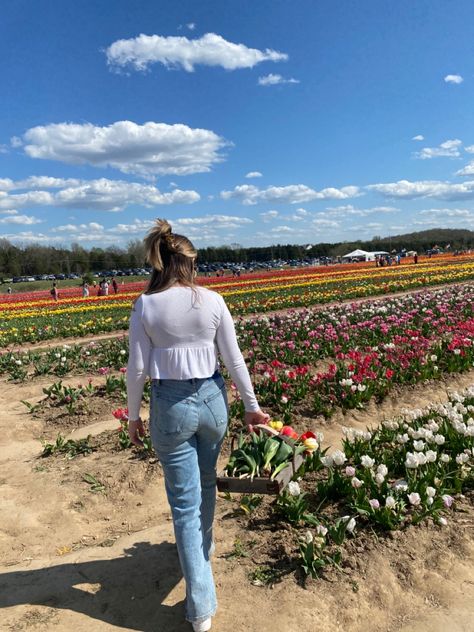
(288, 431)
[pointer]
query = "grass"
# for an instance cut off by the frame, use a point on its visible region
(20, 288)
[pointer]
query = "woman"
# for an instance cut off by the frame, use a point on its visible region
(85, 289)
(176, 329)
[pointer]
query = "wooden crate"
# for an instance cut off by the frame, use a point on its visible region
(259, 485)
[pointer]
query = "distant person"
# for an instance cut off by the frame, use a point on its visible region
(415, 258)
(54, 292)
(105, 287)
(399, 260)
(9, 289)
(114, 285)
(85, 289)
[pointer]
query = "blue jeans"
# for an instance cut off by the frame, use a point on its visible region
(188, 421)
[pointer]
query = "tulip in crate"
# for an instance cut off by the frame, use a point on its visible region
(266, 459)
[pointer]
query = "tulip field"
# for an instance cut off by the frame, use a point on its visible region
(35, 316)
(375, 395)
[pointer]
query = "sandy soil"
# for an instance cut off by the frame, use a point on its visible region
(72, 559)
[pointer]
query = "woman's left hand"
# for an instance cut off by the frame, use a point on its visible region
(136, 430)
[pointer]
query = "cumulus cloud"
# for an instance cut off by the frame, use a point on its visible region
(453, 79)
(275, 80)
(348, 209)
(101, 194)
(216, 221)
(321, 222)
(404, 189)
(292, 194)
(448, 212)
(74, 228)
(418, 137)
(468, 170)
(450, 148)
(454, 217)
(211, 49)
(22, 220)
(147, 150)
(36, 182)
(254, 174)
(267, 216)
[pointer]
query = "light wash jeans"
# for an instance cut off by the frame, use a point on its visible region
(188, 421)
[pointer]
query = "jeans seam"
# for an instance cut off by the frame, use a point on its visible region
(202, 617)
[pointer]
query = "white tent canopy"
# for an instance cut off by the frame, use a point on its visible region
(363, 254)
(356, 254)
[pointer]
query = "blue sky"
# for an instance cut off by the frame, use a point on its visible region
(277, 121)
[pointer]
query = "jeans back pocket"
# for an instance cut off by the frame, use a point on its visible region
(217, 406)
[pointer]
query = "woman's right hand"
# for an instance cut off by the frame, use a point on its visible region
(258, 417)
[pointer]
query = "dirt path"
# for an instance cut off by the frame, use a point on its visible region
(75, 560)
(55, 342)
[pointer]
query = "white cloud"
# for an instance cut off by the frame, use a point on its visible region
(453, 79)
(180, 52)
(302, 211)
(399, 227)
(448, 212)
(9, 212)
(22, 220)
(191, 26)
(37, 182)
(418, 137)
(274, 80)
(348, 209)
(468, 170)
(454, 217)
(450, 148)
(407, 190)
(74, 228)
(291, 194)
(321, 222)
(267, 216)
(254, 174)
(216, 221)
(148, 149)
(101, 194)
(469, 149)
(283, 229)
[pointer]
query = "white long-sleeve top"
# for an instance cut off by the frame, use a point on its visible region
(175, 335)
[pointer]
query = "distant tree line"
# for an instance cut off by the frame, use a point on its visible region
(31, 259)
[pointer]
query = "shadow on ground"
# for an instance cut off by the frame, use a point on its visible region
(126, 591)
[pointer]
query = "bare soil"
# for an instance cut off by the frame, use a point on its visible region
(72, 558)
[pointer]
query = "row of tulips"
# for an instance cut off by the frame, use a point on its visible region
(408, 470)
(342, 356)
(42, 319)
(223, 282)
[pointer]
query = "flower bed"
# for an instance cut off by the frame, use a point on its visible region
(40, 318)
(408, 470)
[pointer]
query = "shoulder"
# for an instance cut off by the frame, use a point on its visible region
(138, 304)
(210, 296)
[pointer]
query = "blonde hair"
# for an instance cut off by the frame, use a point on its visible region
(171, 256)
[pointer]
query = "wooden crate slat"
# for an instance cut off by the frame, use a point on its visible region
(259, 485)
